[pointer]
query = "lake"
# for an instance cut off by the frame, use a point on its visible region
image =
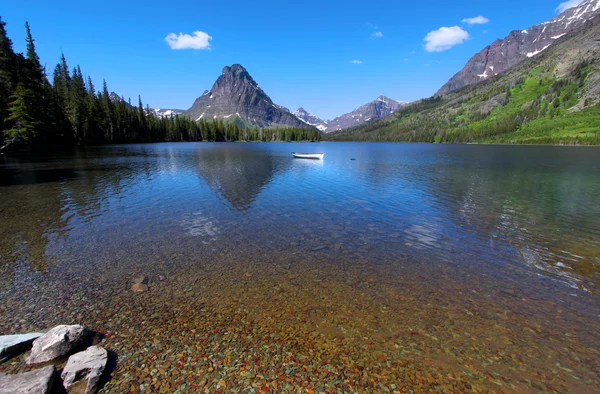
(413, 267)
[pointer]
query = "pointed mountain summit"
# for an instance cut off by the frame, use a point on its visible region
(310, 119)
(236, 96)
(520, 45)
(379, 108)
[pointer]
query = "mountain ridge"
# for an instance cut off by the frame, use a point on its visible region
(520, 45)
(553, 98)
(374, 110)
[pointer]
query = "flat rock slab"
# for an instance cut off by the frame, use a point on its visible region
(57, 342)
(13, 345)
(88, 365)
(38, 381)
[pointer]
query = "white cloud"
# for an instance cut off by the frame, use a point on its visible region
(377, 34)
(565, 5)
(198, 40)
(478, 20)
(356, 62)
(445, 38)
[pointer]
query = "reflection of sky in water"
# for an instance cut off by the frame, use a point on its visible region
(533, 208)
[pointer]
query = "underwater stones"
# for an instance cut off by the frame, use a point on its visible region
(87, 365)
(59, 341)
(140, 284)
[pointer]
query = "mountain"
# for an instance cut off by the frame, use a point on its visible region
(310, 119)
(235, 95)
(550, 98)
(161, 113)
(379, 108)
(115, 98)
(158, 112)
(520, 45)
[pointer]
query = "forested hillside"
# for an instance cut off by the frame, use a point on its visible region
(70, 111)
(552, 98)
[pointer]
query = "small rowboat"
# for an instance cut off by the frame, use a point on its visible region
(318, 156)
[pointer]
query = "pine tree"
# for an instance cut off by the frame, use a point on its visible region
(22, 116)
(34, 79)
(8, 75)
(77, 107)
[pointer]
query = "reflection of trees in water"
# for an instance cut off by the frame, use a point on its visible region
(39, 200)
(28, 216)
(237, 173)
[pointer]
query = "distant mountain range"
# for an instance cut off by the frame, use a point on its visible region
(163, 112)
(158, 112)
(379, 108)
(520, 45)
(236, 96)
(552, 97)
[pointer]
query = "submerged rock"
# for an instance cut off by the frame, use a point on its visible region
(139, 287)
(38, 381)
(59, 341)
(140, 284)
(13, 345)
(88, 365)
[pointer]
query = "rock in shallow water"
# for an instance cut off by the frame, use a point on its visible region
(13, 345)
(57, 342)
(38, 381)
(89, 365)
(140, 284)
(139, 287)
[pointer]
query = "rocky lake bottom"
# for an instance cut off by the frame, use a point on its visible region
(350, 290)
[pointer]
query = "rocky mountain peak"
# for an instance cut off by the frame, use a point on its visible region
(520, 45)
(235, 96)
(237, 72)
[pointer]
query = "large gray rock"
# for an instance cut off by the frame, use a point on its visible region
(59, 341)
(38, 381)
(88, 365)
(13, 345)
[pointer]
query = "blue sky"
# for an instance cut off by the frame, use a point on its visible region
(300, 53)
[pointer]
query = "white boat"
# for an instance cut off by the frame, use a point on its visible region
(318, 156)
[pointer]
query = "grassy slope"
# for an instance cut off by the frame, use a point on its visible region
(552, 98)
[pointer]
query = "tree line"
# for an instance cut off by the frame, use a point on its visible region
(70, 111)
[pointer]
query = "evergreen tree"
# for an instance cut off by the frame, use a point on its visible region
(8, 75)
(22, 116)
(34, 79)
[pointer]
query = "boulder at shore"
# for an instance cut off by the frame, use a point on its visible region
(38, 381)
(89, 365)
(13, 345)
(59, 341)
